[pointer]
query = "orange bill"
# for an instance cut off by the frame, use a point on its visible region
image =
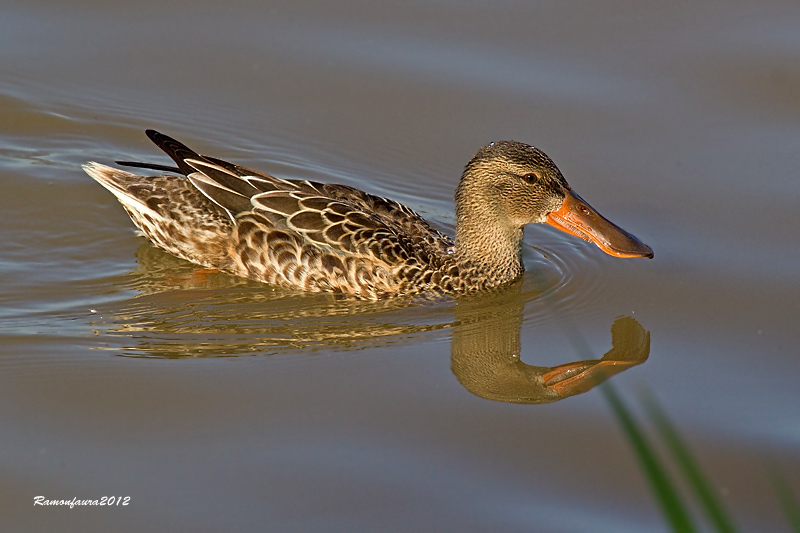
(578, 218)
(579, 377)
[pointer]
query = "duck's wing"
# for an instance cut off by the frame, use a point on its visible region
(335, 217)
(339, 225)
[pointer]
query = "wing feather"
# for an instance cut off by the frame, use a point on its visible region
(334, 218)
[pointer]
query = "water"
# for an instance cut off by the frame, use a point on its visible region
(219, 403)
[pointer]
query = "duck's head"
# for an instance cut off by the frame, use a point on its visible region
(516, 184)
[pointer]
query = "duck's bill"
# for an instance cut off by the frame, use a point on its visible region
(578, 218)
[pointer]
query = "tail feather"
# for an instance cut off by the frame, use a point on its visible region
(117, 182)
(171, 212)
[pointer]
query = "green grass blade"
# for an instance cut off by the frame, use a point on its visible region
(671, 505)
(789, 503)
(691, 469)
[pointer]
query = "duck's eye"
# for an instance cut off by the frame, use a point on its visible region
(530, 178)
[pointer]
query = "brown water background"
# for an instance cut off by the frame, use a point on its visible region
(221, 404)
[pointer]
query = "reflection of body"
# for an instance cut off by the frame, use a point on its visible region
(486, 351)
(214, 315)
(333, 238)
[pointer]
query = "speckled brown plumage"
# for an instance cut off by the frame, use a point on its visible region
(322, 237)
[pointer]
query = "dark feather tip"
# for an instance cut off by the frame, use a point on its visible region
(149, 166)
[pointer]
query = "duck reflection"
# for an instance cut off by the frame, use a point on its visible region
(182, 312)
(485, 354)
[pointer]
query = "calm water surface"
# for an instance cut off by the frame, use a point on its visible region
(219, 403)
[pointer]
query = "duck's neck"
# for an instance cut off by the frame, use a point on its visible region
(493, 249)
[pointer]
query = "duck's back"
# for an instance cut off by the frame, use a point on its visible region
(293, 233)
(332, 237)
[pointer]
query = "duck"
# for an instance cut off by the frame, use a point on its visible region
(320, 237)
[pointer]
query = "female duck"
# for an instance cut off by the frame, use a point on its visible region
(321, 237)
